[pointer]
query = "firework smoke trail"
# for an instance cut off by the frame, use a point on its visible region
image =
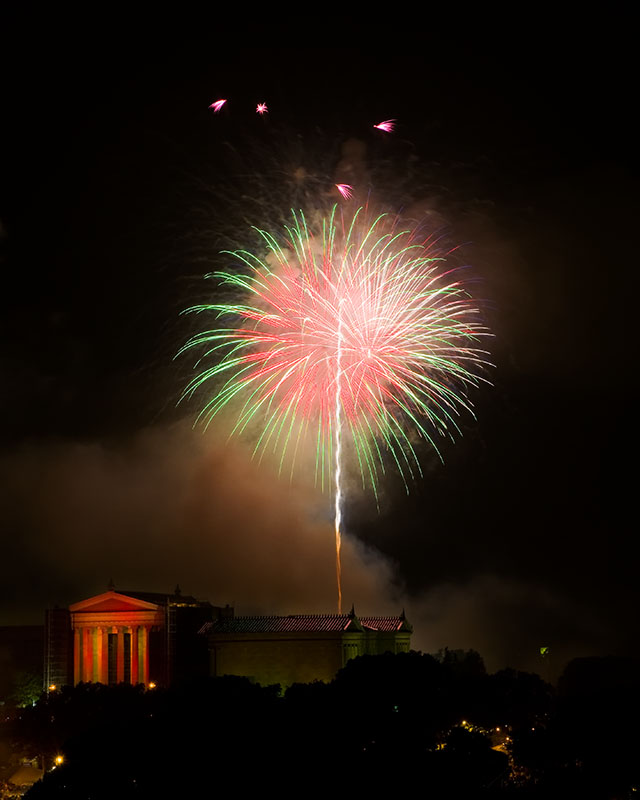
(347, 330)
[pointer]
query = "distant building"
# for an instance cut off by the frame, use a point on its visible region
(128, 637)
(58, 648)
(300, 648)
(152, 638)
(24, 777)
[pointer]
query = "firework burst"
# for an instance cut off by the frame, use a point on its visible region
(361, 335)
(364, 321)
(345, 189)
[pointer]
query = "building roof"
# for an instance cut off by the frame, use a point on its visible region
(307, 623)
(387, 624)
(113, 601)
(26, 775)
(167, 598)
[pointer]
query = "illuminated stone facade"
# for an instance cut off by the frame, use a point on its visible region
(111, 638)
(300, 648)
(149, 638)
(128, 637)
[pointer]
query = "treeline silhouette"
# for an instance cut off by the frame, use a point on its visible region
(441, 725)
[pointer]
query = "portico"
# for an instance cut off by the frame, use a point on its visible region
(111, 638)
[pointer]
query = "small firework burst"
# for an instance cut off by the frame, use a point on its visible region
(345, 189)
(387, 126)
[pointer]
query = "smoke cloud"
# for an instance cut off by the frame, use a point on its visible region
(176, 506)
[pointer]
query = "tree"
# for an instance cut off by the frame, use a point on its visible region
(27, 688)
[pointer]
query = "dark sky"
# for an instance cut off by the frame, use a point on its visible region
(119, 187)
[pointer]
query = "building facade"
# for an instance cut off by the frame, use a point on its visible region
(128, 637)
(111, 635)
(300, 648)
(151, 638)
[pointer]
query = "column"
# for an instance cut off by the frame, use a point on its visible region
(87, 655)
(97, 655)
(76, 656)
(134, 655)
(144, 656)
(127, 662)
(104, 669)
(120, 673)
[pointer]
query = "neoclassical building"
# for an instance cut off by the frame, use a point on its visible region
(111, 635)
(300, 648)
(153, 638)
(128, 637)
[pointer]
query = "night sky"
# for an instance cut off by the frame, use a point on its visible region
(119, 187)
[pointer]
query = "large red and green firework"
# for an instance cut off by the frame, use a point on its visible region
(365, 310)
(354, 331)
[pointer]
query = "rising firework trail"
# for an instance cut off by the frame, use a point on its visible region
(338, 463)
(353, 331)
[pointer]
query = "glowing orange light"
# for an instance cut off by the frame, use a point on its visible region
(151, 685)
